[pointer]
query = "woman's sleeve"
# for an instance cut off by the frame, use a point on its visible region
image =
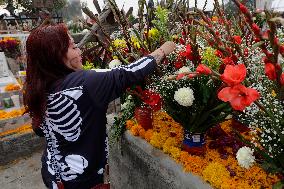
(103, 87)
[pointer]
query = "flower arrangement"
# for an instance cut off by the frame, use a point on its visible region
(221, 66)
(10, 46)
(12, 87)
(167, 135)
(11, 114)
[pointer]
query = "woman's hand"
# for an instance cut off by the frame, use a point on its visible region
(163, 51)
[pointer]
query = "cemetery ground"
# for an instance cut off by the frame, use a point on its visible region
(22, 173)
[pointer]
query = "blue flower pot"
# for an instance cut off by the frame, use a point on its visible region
(193, 143)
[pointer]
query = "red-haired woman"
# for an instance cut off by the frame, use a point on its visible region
(68, 105)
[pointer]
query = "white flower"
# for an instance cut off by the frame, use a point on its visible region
(184, 96)
(245, 157)
(184, 69)
(114, 63)
(85, 31)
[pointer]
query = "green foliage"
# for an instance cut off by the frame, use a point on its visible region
(161, 22)
(88, 66)
(118, 127)
(210, 59)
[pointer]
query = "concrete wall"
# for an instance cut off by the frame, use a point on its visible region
(19, 145)
(135, 164)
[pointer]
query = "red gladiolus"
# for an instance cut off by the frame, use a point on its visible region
(270, 71)
(152, 99)
(228, 60)
(246, 52)
(282, 79)
(243, 9)
(202, 69)
(255, 29)
(281, 49)
(181, 41)
(190, 76)
(256, 40)
(178, 65)
(234, 75)
(180, 76)
(276, 40)
(219, 53)
(239, 96)
(187, 53)
(237, 39)
(265, 35)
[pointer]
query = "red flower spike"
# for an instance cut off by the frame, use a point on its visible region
(202, 69)
(265, 35)
(228, 61)
(270, 71)
(234, 75)
(180, 76)
(256, 40)
(190, 76)
(282, 79)
(276, 40)
(243, 9)
(277, 67)
(235, 58)
(187, 53)
(237, 39)
(219, 53)
(246, 53)
(256, 29)
(281, 49)
(178, 65)
(239, 96)
(181, 41)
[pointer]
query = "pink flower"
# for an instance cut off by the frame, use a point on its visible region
(202, 69)
(234, 75)
(239, 96)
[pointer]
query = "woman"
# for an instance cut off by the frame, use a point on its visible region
(68, 105)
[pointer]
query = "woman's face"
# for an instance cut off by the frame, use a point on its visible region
(73, 59)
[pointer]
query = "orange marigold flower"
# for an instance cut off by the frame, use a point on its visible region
(129, 124)
(135, 130)
(148, 135)
(215, 173)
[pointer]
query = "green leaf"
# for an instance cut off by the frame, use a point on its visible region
(278, 185)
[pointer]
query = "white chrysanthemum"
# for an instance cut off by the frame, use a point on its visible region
(114, 63)
(184, 69)
(245, 157)
(85, 31)
(184, 96)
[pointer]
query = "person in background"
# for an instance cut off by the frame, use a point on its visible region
(68, 105)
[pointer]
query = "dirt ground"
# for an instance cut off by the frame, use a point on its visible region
(22, 174)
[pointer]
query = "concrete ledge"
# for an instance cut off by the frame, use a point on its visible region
(17, 145)
(136, 164)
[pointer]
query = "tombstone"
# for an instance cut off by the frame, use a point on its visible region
(6, 75)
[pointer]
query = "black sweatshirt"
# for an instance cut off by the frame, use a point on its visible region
(76, 121)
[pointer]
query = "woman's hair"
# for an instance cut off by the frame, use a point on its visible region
(46, 47)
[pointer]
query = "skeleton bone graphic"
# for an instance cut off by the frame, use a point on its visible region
(63, 117)
(62, 114)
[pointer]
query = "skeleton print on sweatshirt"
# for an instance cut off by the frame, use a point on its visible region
(75, 120)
